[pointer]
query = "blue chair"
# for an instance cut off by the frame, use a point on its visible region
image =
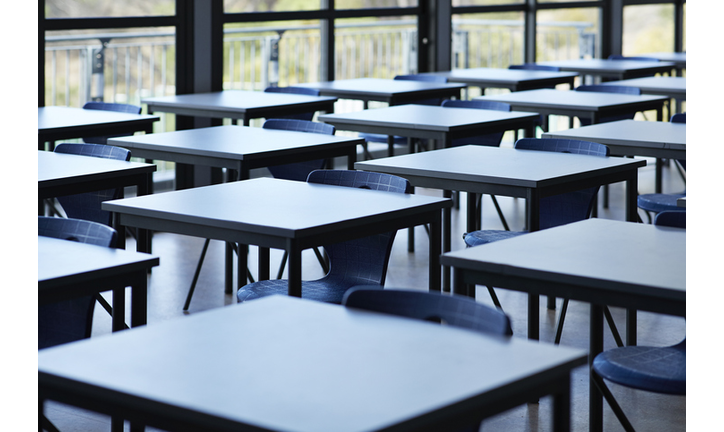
(535, 66)
(295, 90)
(654, 369)
(356, 262)
(108, 106)
(399, 140)
(491, 140)
(554, 211)
(298, 171)
(88, 205)
(660, 202)
(634, 58)
(608, 89)
(453, 310)
(71, 320)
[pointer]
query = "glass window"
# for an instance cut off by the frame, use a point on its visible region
(367, 4)
(484, 2)
(493, 40)
(107, 8)
(564, 34)
(236, 6)
(648, 28)
(282, 53)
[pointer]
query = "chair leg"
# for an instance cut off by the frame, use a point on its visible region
(320, 257)
(494, 297)
(196, 274)
(561, 318)
(615, 407)
(105, 305)
(500, 212)
(612, 326)
(46, 425)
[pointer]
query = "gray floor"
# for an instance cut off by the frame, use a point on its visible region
(648, 412)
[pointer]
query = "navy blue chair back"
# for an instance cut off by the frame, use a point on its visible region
(571, 206)
(491, 140)
(534, 66)
(88, 205)
(108, 106)
(425, 78)
(454, 310)
(298, 171)
(295, 90)
(70, 320)
(671, 218)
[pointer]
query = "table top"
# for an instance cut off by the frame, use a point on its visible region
(643, 134)
(74, 122)
(664, 85)
(480, 165)
(425, 117)
(235, 143)
(604, 66)
(676, 57)
(296, 365)
(378, 88)
(233, 103)
(624, 257)
(277, 208)
(490, 77)
(571, 100)
(60, 169)
(64, 263)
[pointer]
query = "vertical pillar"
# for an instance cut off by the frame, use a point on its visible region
(529, 30)
(326, 31)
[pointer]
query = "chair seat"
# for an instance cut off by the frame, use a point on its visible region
(658, 202)
(381, 138)
(481, 237)
(656, 369)
(328, 289)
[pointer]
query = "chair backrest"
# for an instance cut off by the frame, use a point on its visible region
(70, 320)
(298, 171)
(534, 66)
(678, 118)
(108, 106)
(571, 206)
(490, 140)
(361, 261)
(671, 218)
(634, 58)
(426, 78)
(608, 89)
(82, 231)
(295, 90)
(453, 310)
(88, 205)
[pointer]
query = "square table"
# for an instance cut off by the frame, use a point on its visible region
(616, 69)
(602, 262)
(431, 122)
(295, 365)
(662, 140)
(60, 122)
(69, 269)
(61, 174)
(239, 104)
(572, 103)
(281, 214)
(394, 92)
(678, 58)
(511, 79)
(508, 172)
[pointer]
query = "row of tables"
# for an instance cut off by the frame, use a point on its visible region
(208, 212)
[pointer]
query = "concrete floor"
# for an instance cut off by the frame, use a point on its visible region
(648, 412)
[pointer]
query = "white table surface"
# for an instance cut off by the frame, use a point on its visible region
(60, 122)
(302, 366)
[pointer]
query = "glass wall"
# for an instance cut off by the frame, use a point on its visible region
(108, 8)
(648, 28)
